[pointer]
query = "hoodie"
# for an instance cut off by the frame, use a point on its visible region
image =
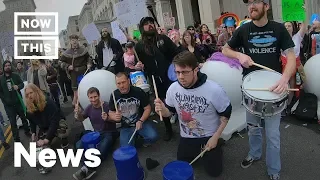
(8, 95)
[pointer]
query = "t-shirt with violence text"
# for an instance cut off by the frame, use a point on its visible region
(262, 44)
(98, 124)
(131, 105)
(198, 108)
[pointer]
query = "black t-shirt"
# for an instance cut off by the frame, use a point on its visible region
(130, 105)
(36, 78)
(262, 44)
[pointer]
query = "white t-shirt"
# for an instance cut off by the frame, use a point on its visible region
(297, 39)
(197, 108)
(107, 56)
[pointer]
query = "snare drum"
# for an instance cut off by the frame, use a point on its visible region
(263, 103)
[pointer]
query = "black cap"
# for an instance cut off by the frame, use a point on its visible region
(129, 44)
(265, 1)
(146, 19)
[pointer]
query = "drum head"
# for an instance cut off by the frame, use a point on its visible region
(259, 80)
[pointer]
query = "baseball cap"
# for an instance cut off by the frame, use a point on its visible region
(265, 1)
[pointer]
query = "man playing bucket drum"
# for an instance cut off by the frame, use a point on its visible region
(203, 109)
(262, 41)
(97, 112)
(133, 111)
(75, 61)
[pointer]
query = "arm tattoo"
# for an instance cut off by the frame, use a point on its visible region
(224, 119)
(289, 50)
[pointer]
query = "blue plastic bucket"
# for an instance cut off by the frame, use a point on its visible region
(79, 78)
(171, 73)
(138, 79)
(90, 140)
(178, 170)
(127, 164)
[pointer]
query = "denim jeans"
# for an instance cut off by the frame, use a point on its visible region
(148, 132)
(2, 139)
(271, 125)
(107, 139)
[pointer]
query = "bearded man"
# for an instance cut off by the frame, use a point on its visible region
(156, 52)
(10, 86)
(110, 52)
(75, 61)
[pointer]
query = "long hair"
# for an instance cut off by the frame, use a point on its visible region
(295, 28)
(107, 39)
(193, 41)
(39, 99)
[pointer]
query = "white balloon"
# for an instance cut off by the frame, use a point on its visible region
(311, 69)
(102, 80)
(229, 78)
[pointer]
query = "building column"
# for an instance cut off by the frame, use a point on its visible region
(184, 12)
(209, 13)
(163, 6)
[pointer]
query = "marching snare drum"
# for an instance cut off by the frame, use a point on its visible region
(262, 103)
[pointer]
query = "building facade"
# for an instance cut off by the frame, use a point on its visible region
(63, 38)
(73, 25)
(7, 22)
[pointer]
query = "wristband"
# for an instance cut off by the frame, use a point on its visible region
(140, 120)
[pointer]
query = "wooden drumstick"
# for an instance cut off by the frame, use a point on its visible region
(156, 92)
(200, 155)
(102, 109)
(263, 67)
(266, 89)
(134, 133)
(115, 102)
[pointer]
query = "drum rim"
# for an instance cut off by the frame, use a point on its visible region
(284, 95)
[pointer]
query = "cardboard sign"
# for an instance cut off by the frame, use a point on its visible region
(292, 10)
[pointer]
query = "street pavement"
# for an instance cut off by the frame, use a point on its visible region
(300, 154)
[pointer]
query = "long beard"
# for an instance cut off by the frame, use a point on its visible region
(9, 71)
(260, 15)
(150, 33)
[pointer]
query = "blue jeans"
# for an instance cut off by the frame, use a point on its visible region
(2, 136)
(107, 139)
(271, 126)
(148, 132)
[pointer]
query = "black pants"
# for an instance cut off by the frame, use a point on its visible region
(12, 112)
(190, 148)
(55, 97)
(66, 87)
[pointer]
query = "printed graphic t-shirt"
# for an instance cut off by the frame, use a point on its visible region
(131, 105)
(198, 108)
(96, 120)
(262, 44)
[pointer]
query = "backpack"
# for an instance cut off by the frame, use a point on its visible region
(307, 108)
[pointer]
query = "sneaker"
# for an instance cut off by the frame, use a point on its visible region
(247, 162)
(83, 173)
(275, 177)
(6, 145)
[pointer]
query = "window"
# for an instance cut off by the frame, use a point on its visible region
(76, 21)
(77, 29)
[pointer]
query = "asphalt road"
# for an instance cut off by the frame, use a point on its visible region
(300, 154)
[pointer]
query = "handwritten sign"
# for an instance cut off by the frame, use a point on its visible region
(292, 10)
(91, 33)
(121, 8)
(129, 12)
(117, 33)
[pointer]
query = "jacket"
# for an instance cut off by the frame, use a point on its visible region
(42, 76)
(10, 98)
(116, 49)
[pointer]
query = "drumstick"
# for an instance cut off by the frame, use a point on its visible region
(114, 101)
(263, 67)
(200, 155)
(102, 107)
(134, 133)
(86, 72)
(156, 92)
(135, 53)
(266, 89)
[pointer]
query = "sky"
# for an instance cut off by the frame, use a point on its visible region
(65, 8)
